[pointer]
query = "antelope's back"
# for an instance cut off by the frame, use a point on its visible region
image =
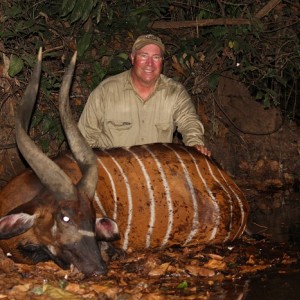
(165, 194)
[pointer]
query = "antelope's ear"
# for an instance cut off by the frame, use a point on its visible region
(106, 230)
(15, 224)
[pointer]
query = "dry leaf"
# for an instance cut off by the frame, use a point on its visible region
(159, 270)
(215, 256)
(153, 296)
(215, 264)
(6, 63)
(251, 260)
(288, 260)
(22, 287)
(206, 272)
(253, 269)
(177, 66)
(200, 271)
(58, 293)
(108, 290)
(74, 288)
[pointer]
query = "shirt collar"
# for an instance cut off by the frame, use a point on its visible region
(128, 84)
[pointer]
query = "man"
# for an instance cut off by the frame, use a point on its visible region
(141, 106)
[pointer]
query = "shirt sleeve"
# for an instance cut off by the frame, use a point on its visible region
(187, 120)
(91, 120)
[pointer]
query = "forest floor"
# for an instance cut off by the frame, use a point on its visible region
(198, 272)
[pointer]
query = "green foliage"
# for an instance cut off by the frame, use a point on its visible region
(110, 18)
(112, 13)
(21, 22)
(49, 127)
(16, 65)
(99, 73)
(183, 285)
(79, 10)
(84, 43)
(213, 80)
(118, 63)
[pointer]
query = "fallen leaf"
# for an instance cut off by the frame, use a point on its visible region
(57, 293)
(153, 296)
(215, 256)
(74, 288)
(215, 264)
(159, 270)
(204, 272)
(251, 260)
(288, 260)
(108, 290)
(22, 287)
(199, 271)
(253, 269)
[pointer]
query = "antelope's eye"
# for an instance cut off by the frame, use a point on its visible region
(66, 219)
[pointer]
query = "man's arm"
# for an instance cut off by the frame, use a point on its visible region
(91, 120)
(188, 123)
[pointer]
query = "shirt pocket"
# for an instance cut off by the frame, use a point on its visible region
(118, 125)
(164, 132)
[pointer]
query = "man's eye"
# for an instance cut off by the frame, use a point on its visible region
(157, 57)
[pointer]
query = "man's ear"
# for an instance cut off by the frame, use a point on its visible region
(132, 58)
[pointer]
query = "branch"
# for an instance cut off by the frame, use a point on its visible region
(8, 146)
(213, 22)
(198, 23)
(267, 8)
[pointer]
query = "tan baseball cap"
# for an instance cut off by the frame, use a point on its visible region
(147, 39)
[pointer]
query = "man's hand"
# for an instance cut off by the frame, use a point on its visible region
(203, 150)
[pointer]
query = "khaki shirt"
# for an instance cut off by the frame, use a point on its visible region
(115, 115)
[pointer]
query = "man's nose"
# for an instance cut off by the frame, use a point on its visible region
(149, 61)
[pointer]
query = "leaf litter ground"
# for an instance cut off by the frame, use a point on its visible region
(196, 272)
